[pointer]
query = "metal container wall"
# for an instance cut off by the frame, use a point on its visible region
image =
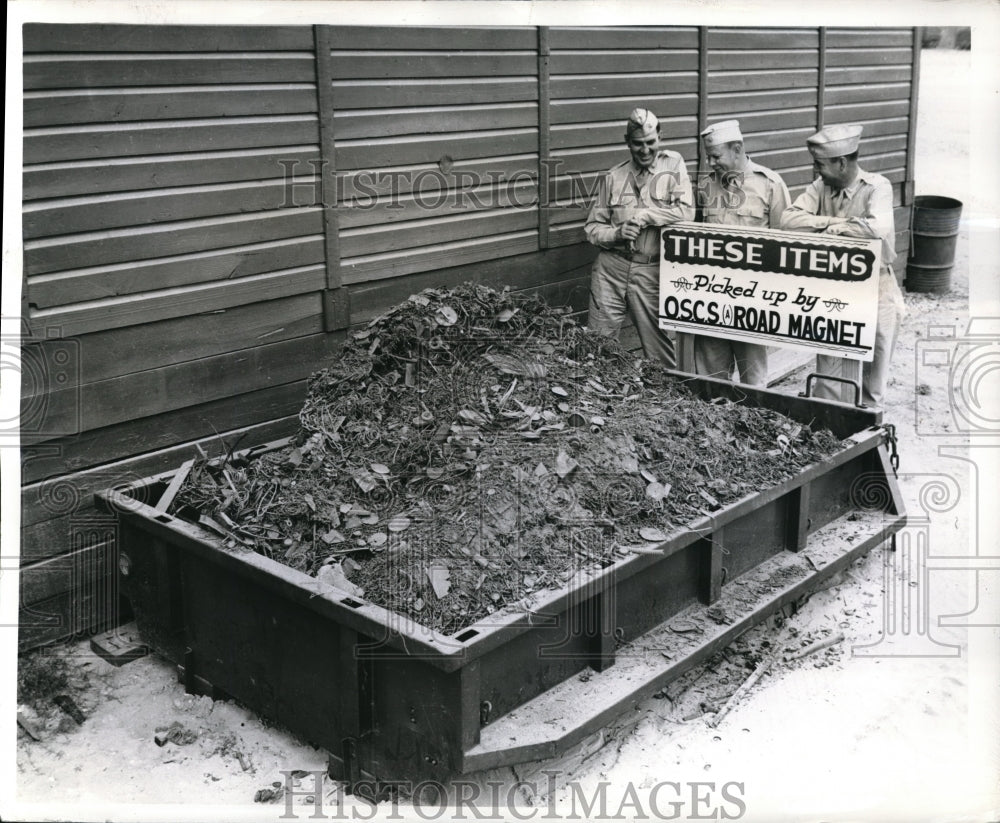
(390, 699)
(932, 247)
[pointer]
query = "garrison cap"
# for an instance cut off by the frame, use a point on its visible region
(642, 121)
(728, 131)
(835, 141)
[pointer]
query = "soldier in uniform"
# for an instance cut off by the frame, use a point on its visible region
(846, 200)
(738, 192)
(633, 199)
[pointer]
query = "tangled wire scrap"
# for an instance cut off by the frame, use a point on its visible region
(472, 447)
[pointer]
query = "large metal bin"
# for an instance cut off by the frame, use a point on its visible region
(394, 701)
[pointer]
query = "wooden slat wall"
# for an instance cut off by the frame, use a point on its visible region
(197, 236)
(174, 269)
(597, 78)
(867, 81)
(768, 81)
(437, 131)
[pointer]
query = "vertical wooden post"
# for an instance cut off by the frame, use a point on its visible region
(470, 692)
(911, 133)
(684, 341)
(599, 623)
(702, 108)
(336, 307)
(798, 518)
(710, 583)
(821, 80)
(544, 137)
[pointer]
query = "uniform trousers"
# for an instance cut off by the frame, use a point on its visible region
(717, 357)
(874, 374)
(620, 288)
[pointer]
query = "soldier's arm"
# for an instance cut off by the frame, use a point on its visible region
(877, 221)
(672, 197)
(599, 229)
(803, 214)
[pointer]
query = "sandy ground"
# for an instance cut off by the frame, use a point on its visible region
(896, 722)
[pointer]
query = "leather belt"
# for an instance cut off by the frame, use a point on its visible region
(635, 257)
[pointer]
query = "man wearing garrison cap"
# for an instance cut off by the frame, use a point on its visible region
(849, 201)
(633, 199)
(738, 192)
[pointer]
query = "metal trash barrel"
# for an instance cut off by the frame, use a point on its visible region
(933, 235)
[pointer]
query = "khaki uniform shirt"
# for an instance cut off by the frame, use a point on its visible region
(660, 195)
(867, 203)
(755, 196)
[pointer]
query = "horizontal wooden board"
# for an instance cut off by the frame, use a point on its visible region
(182, 237)
(882, 128)
(381, 239)
(797, 176)
(838, 95)
(117, 105)
(622, 37)
(362, 65)
(53, 535)
(577, 188)
(446, 38)
(440, 256)
(617, 109)
(99, 282)
(721, 82)
(566, 234)
(870, 74)
(727, 38)
(375, 154)
(863, 112)
(736, 103)
(96, 315)
(92, 448)
(172, 387)
(62, 37)
(437, 203)
(568, 212)
(601, 158)
(360, 123)
(365, 186)
(625, 61)
(763, 60)
(67, 179)
(655, 84)
(111, 353)
(798, 155)
(774, 140)
(575, 135)
(167, 137)
(88, 564)
(891, 165)
(524, 271)
(73, 215)
(68, 615)
(869, 38)
(770, 120)
(450, 91)
(867, 57)
(74, 71)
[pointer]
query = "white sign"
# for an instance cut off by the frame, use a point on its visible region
(806, 291)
